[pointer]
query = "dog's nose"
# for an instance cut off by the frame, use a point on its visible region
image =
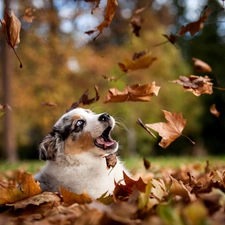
(105, 117)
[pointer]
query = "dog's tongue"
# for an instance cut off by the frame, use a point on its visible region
(105, 143)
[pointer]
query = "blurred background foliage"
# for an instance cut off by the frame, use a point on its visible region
(61, 62)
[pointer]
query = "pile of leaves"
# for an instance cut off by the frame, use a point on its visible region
(191, 194)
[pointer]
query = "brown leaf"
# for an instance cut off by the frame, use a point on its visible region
(214, 111)
(147, 164)
(196, 84)
(133, 93)
(50, 104)
(200, 66)
(109, 14)
(111, 161)
(23, 187)
(70, 198)
(95, 4)
(171, 38)
(84, 100)
(194, 27)
(3, 108)
(11, 28)
(171, 130)
(36, 200)
(28, 15)
(140, 60)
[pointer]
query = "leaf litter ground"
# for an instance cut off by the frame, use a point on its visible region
(191, 194)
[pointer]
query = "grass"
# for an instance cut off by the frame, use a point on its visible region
(32, 166)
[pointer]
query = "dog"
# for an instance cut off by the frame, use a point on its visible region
(75, 152)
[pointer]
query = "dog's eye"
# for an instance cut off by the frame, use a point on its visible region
(79, 123)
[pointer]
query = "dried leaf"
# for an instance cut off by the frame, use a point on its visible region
(109, 14)
(171, 130)
(147, 164)
(29, 15)
(111, 161)
(194, 27)
(50, 104)
(133, 93)
(95, 4)
(196, 84)
(214, 111)
(70, 198)
(84, 100)
(11, 28)
(140, 60)
(200, 66)
(171, 38)
(24, 187)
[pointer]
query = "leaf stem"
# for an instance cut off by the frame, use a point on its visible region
(188, 139)
(21, 65)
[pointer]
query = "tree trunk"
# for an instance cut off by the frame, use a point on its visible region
(9, 142)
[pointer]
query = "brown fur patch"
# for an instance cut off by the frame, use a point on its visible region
(82, 144)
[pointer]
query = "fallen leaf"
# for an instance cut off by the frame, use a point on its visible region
(194, 27)
(214, 111)
(200, 66)
(109, 14)
(171, 130)
(29, 15)
(133, 93)
(23, 187)
(11, 28)
(84, 100)
(140, 60)
(50, 104)
(111, 161)
(198, 85)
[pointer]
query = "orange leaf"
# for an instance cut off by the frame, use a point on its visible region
(28, 15)
(140, 60)
(133, 93)
(109, 14)
(70, 198)
(23, 187)
(200, 66)
(194, 27)
(171, 130)
(214, 111)
(196, 84)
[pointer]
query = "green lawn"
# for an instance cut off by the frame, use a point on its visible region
(33, 166)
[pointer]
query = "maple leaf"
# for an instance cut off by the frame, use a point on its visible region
(84, 100)
(108, 17)
(70, 198)
(140, 60)
(200, 66)
(171, 130)
(11, 28)
(133, 93)
(23, 187)
(28, 15)
(214, 111)
(194, 27)
(198, 85)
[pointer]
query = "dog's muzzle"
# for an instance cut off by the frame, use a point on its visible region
(104, 141)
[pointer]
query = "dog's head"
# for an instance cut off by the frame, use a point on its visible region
(79, 130)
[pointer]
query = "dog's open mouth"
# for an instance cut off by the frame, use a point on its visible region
(104, 141)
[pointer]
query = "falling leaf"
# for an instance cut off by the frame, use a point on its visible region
(95, 4)
(111, 161)
(200, 66)
(50, 104)
(133, 93)
(3, 109)
(109, 78)
(29, 15)
(70, 198)
(171, 130)
(11, 28)
(109, 14)
(194, 27)
(196, 84)
(147, 164)
(140, 60)
(84, 100)
(214, 111)
(171, 38)
(24, 187)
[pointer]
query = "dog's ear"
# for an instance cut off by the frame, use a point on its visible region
(50, 145)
